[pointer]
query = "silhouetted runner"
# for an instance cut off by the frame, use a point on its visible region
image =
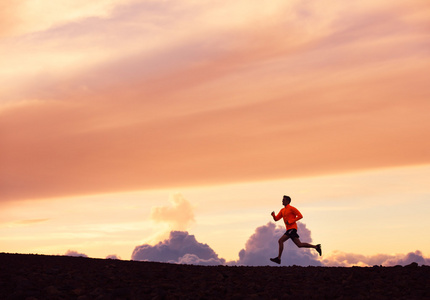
(290, 215)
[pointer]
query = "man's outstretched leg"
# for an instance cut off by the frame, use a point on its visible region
(281, 242)
(307, 245)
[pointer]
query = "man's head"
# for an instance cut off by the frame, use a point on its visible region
(286, 200)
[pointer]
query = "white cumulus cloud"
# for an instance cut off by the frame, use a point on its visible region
(263, 244)
(180, 247)
(75, 253)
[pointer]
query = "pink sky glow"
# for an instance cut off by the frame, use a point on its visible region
(110, 108)
(293, 91)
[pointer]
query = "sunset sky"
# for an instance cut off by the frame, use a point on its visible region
(121, 121)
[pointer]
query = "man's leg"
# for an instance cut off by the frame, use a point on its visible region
(299, 244)
(281, 248)
(281, 242)
(302, 245)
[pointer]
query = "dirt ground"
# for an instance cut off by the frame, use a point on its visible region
(60, 277)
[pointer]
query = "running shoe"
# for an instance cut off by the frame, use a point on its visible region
(276, 260)
(318, 248)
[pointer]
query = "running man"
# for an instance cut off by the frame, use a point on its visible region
(290, 215)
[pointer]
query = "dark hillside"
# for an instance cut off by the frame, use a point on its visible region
(61, 277)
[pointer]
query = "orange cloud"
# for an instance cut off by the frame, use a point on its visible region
(222, 105)
(179, 216)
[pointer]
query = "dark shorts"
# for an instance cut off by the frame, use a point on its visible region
(291, 233)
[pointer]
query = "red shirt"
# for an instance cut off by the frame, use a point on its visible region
(291, 214)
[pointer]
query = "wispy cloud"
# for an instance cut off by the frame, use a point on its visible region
(22, 17)
(31, 221)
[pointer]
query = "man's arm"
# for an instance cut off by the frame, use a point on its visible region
(278, 216)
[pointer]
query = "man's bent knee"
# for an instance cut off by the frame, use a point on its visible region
(282, 240)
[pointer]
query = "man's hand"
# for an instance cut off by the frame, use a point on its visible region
(273, 214)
